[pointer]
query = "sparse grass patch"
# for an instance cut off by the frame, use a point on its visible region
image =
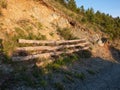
(32, 78)
(41, 37)
(9, 46)
(54, 67)
(51, 34)
(43, 83)
(66, 33)
(91, 72)
(36, 37)
(61, 61)
(3, 3)
(76, 75)
(19, 34)
(68, 77)
(38, 25)
(59, 86)
(80, 75)
(25, 24)
(28, 28)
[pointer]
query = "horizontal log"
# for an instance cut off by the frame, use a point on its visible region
(50, 48)
(44, 55)
(39, 52)
(49, 42)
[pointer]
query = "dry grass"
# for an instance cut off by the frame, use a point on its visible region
(3, 3)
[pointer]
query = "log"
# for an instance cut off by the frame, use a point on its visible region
(23, 41)
(44, 55)
(25, 58)
(50, 48)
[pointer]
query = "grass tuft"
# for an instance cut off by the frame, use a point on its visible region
(66, 33)
(59, 86)
(91, 72)
(3, 3)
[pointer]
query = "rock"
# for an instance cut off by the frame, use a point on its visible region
(100, 43)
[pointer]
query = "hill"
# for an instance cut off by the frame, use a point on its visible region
(59, 20)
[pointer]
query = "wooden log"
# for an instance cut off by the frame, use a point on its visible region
(44, 55)
(50, 48)
(49, 42)
(25, 58)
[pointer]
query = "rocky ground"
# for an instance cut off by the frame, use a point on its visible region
(93, 73)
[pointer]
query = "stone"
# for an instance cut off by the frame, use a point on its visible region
(100, 43)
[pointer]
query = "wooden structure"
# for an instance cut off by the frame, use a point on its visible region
(39, 48)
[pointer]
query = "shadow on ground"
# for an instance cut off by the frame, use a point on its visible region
(115, 53)
(67, 72)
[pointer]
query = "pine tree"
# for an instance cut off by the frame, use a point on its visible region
(72, 5)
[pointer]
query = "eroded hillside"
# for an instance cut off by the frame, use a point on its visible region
(30, 17)
(36, 20)
(95, 68)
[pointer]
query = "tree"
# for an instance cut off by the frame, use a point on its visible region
(72, 5)
(90, 15)
(63, 2)
(82, 10)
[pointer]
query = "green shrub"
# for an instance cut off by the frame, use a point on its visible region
(54, 66)
(36, 37)
(51, 34)
(20, 33)
(66, 33)
(80, 76)
(91, 72)
(38, 25)
(41, 37)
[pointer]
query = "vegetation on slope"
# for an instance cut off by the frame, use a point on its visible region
(105, 22)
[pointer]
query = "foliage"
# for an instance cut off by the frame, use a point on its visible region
(80, 76)
(66, 33)
(105, 22)
(51, 34)
(59, 86)
(3, 3)
(72, 5)
(91, 72)
(38, 25)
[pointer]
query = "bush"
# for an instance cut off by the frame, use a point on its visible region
(38, 25)
(36, 37)
(66, 33)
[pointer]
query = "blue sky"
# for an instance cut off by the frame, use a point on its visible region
(111, 7)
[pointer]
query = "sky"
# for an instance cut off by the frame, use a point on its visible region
(111, 7)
